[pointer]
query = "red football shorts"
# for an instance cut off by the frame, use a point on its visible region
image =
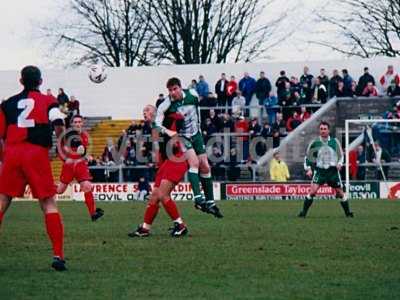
(77, 170)
(24, 164)
(171, 171)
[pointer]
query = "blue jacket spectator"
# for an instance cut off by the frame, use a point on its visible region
(247, 85)
(202, 87)
(269, 105)
(347, 80)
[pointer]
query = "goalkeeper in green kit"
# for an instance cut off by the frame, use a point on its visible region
(186, 103)
(323, 161)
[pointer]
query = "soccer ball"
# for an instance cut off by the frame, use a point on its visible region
(97, 73)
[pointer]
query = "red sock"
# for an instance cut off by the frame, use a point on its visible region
(89, 200)
(55, 230)
(1, 217)
(171, 209)
(151, 213)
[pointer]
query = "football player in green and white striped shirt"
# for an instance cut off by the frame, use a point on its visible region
(186, 103)
(323, 161)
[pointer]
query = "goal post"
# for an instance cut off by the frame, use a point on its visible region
(362, 130)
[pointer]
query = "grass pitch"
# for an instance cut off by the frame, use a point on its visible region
(259, 250)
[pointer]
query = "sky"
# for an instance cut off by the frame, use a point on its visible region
(21, 46)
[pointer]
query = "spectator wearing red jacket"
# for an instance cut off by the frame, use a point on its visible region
(231, 89)
(304, 114)
(387, 78)
(242, 126)
(370, 90)
(293, 122)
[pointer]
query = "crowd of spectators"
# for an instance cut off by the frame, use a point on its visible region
(248, 108)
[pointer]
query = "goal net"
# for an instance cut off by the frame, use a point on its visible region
(372, 152)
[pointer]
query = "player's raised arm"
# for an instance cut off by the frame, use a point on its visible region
(159, 118)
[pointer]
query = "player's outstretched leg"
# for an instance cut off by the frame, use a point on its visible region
(206, 182)
(55, 231)
(179, 228)
(306, 205)
(199, 201)
(95, 213)
(152, 208)
(211, 207)
(344, 203)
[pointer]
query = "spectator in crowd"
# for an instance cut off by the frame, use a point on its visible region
(108, 152)
(49, 92)
(394, 89)
(263, 88)
(293, 121)
(270, 104)
(202, 87)
(131, 130)
(144, 189)
(208, 129)
(387, 78)
(281, 82)
(217, 170)
(266, 131)
(307, 93)
(160, 100)
(254, 128)
(278, 130)
(242, 127)
(295, 85)
(320, 94)
(353, 89)
(247, 86)
(231, 90)
(130, 153)
(284, 95)
(341, 91)
(73, 106)
(227, 123)
(307, 78)
(121, 138)
(215, 119)
(278, 170)
(323, 78)
(334, 83)
(363, 81)
(221, 89)
(370, 90)
(379, 156)
(193, 85)
(62, 97)
(347, 80)
(238, 104)
(304, 114)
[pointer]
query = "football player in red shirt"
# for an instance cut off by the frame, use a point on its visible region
(74, 147)
(170, 173)
(26, 122)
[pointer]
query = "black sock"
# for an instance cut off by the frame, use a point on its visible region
(345, 206)
(307, 203)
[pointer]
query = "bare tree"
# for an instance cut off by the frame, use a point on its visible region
(369, 27)
(110, 31)
(209, 31)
